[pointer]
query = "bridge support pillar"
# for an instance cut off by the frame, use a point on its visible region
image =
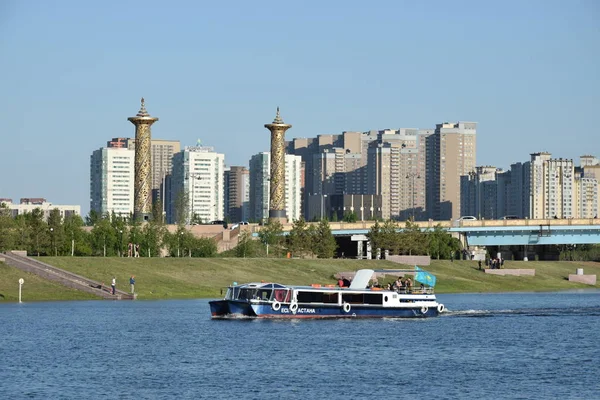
(359, 239)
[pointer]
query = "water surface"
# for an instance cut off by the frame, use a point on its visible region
(492, 346)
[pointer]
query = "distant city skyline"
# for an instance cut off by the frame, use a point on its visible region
(73, 73)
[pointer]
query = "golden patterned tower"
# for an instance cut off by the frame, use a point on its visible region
(142, 192)
(277, 178)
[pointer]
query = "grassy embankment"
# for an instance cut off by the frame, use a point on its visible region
(34, 288)
(168, 278)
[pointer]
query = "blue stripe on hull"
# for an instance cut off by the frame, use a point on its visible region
(265, 311)
(240, 308)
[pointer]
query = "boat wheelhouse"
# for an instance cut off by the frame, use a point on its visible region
(274, 300)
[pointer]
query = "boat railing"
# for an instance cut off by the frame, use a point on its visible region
(425, 290)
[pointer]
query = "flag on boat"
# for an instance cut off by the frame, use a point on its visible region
(424, 277)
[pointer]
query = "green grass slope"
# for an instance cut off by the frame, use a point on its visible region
(170, 278)
(34, 288)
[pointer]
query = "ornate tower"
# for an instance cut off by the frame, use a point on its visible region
(277, 183)
(142, 192)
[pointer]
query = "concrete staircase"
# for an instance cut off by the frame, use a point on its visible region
(19, 259)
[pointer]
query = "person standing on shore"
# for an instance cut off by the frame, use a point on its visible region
(132, 282)
(114, 285)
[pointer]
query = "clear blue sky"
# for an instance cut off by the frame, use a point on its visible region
(71, 73)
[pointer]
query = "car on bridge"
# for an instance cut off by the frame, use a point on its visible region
(467, 218)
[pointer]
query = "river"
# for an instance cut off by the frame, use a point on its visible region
(491, 346)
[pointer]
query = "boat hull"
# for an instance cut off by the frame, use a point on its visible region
(231, 308)
(304, 311)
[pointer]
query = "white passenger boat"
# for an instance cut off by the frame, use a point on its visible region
(274, 300)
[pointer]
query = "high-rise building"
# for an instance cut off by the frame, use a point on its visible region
(396, 173)
(260, 186)
(450, 154)
(352, 145)
(237, 193)
(196, 186)
(480, 193)
(112, 181)
(585, 191)
(558, 185)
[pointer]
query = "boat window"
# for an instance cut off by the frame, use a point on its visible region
(362, 298)
(282, 295)
(264, 294)
(317, 297)
(247, 294)
(229, 294)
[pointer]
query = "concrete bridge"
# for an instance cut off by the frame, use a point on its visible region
(491, 232)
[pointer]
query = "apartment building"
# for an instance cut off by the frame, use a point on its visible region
(237, 193)
(482, 192)
(260, 188)
(198, 177)
(112, 173)
(450, 154)
(27, 205)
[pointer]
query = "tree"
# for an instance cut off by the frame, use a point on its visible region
(181, 207)
(75, 242)
(271, 234)
(7, 228)
(247, 247)
(412, 240)
(92, 218)
(389, 236)
(441, 243)
(375, 236)
(38, 230)
(22, 233)
(204, 247)
(57, 235)
(350, 216)
(324, 244)
(300, 240)
(152, 239)
(104, 238)
(157, 212)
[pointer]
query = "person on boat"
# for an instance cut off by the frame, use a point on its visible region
(346, 282)
(340, 282)
(408, 284)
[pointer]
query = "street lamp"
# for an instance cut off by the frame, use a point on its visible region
(179, 242)
(413, 176)
(53, 248)
(120, 242)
